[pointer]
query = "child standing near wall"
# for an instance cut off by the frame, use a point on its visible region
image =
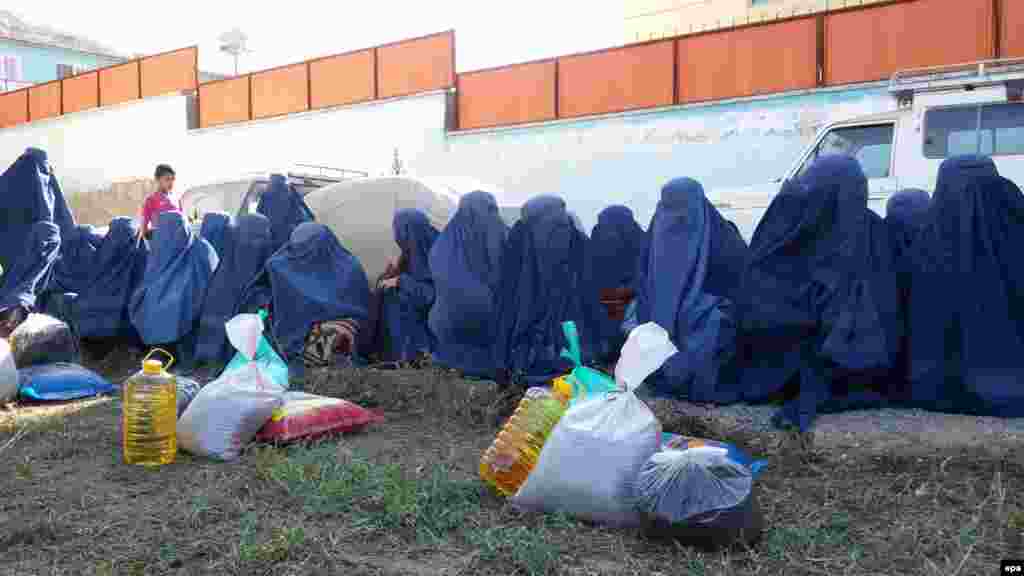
(160, 200)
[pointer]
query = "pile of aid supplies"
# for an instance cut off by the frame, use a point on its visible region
(249, 401)
(589, 447)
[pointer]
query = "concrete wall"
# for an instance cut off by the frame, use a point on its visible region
(592, 163)
(627, 158)
(39, 63)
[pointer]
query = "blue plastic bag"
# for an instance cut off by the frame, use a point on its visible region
(60, 382)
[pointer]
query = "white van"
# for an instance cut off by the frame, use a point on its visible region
(939, 112)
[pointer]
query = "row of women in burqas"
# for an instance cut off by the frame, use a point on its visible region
(830, 307)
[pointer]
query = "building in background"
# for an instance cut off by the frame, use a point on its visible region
(651, 19)
(31, 54)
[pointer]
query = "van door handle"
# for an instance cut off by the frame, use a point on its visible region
(723, 205)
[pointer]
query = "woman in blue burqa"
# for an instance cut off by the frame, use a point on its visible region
(320, 297)
(967, 295)
(689, 277)
(95, 277)
(165, 306)
(26, 279)
(906, 213)
(29, 196)
(543, 285)
(245, 248)
(285, 209)
(407, 294)
(466, 266)
(614, 250)
(819, 318)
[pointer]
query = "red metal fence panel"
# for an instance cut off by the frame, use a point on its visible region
(509, 95)
(44, 100)
(748, 61)
(280, 91)
(873, 43)
(224, 102)
(419, 65)
(639, 76)
(342, 79)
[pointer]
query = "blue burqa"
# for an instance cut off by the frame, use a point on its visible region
(613, 254)
(819, 305)
(245, 250)
(285, 209)
(690, 274)
(215, 225)
(29, 193)
(466, 266)
(77, 263)
(313, 278)
(967, 295)
(406, 308)
(906, 213)
(101, 308)
(166, 305)
(28, 277)
(543, 285)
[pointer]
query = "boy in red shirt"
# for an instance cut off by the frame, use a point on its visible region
(159, 201)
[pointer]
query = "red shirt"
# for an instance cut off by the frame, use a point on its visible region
(155, 204)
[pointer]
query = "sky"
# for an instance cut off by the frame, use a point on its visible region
(488, 33)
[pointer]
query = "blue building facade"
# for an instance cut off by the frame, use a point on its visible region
(26, 63)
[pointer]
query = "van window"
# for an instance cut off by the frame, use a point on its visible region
(988, 129)
(870, 145)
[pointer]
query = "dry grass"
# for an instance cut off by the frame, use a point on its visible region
(403, 498)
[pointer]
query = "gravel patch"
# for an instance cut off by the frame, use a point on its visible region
(878, 429)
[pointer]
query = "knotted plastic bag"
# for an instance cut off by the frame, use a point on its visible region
(585, 382)
(227, 413)
(245, 332)
(701, 491)
(589, 464)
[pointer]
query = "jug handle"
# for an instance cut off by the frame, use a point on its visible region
(165, 353)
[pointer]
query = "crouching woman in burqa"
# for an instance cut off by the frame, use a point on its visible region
(689, 276)
(544, 284)
(406, 292)
(466, 266)
(25, 281)
(818, 310)
(966, 314)
(319, 297)
(613, 255)
(165, 306)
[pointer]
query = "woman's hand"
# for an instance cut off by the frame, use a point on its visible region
(389, 283)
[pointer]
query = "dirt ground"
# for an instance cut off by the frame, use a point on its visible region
(403, 498)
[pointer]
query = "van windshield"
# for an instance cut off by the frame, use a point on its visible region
(870, 145)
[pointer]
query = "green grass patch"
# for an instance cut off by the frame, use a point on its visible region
(376, 497)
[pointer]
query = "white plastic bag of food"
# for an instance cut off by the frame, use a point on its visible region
(8, 373)
(589, 464)
(227, 413)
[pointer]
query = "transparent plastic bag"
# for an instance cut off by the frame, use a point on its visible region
(227, 413)
(588, 465)
(701, 491)
(43, 339)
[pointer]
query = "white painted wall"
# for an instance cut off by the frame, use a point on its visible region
(592, 163)
(92, 148)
